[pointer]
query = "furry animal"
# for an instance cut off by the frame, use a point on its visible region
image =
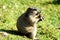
(26, 23)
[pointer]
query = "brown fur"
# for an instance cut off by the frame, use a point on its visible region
(26, 23)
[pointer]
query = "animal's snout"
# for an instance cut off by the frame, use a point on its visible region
(40, 18)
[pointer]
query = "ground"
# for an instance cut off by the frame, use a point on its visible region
(48, 29)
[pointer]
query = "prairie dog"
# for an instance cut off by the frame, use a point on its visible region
(26, 23)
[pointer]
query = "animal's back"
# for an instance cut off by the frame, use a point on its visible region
(23, 24)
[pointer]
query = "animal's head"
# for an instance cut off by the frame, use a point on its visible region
(34, 14)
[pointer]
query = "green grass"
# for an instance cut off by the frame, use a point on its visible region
(10, 10)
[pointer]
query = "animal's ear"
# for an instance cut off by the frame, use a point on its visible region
(29, 10)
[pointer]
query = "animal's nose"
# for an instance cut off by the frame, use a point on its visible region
(41, 18)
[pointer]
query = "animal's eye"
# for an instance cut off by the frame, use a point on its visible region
(37, 13)
(35, 9)
(39, 16)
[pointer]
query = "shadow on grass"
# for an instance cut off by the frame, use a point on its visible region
(14, 32)
(55, 2)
